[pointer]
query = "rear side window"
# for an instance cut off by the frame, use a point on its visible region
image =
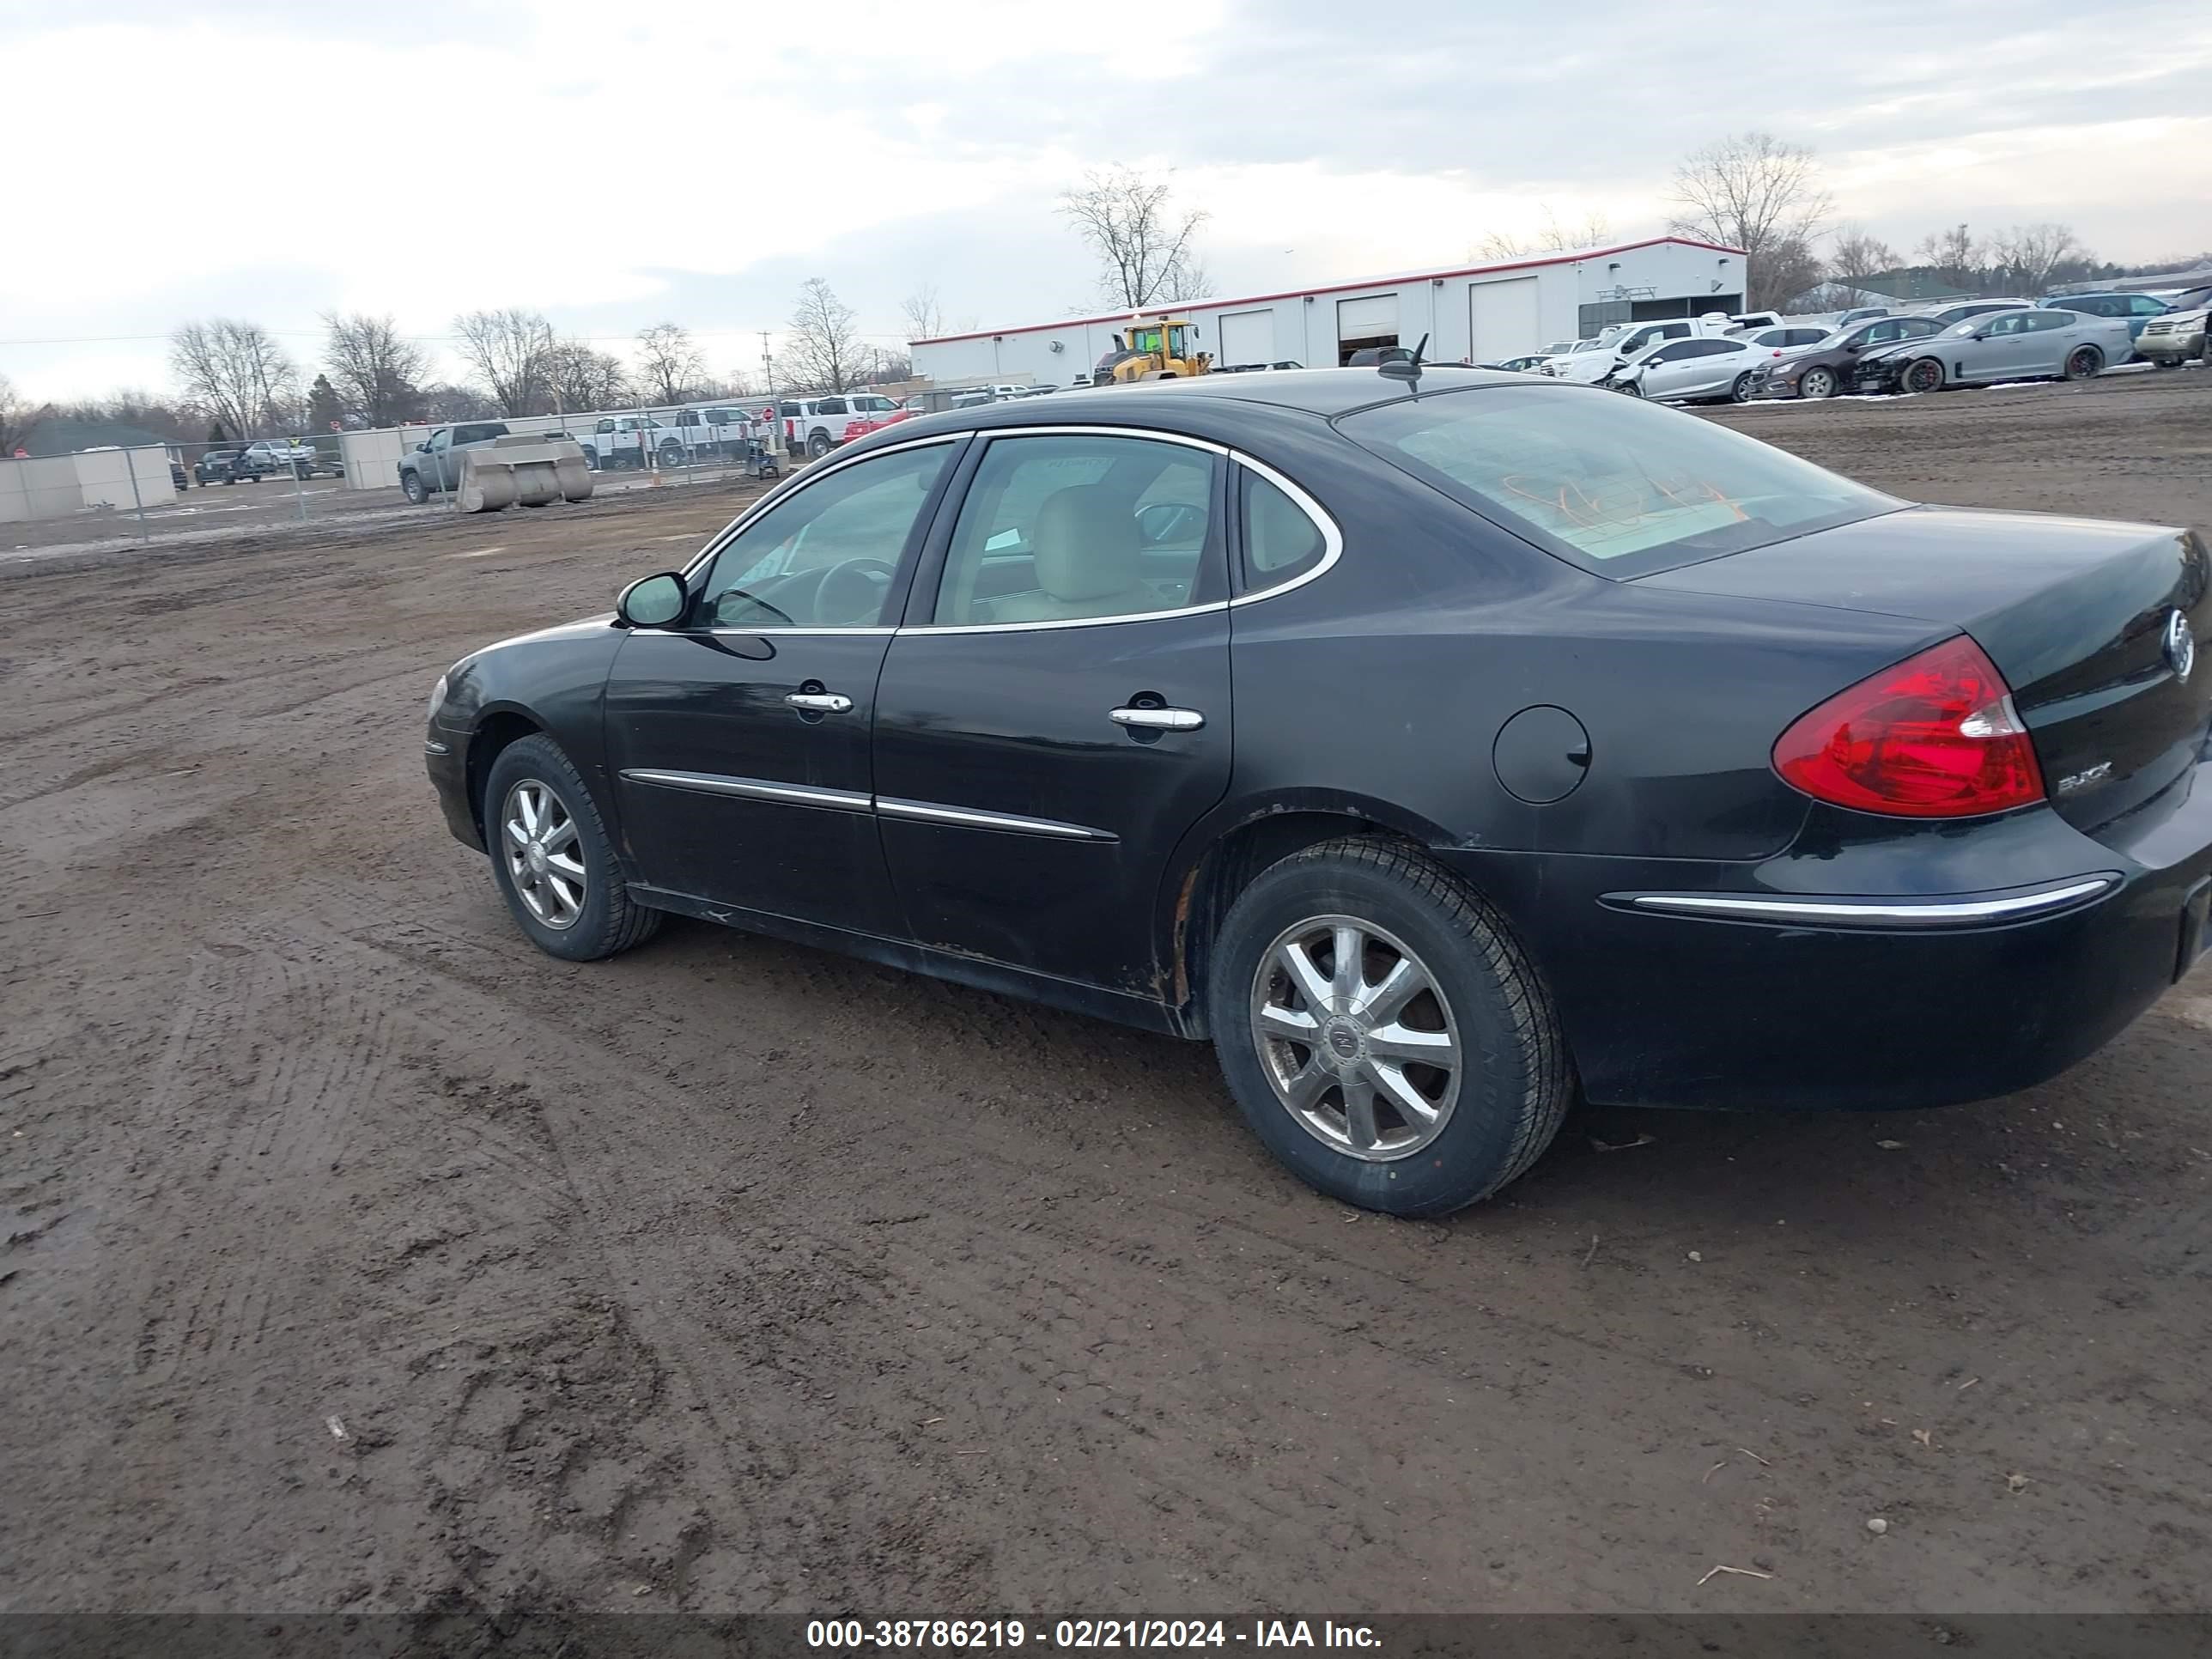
(1281, 540)
(1608, 482)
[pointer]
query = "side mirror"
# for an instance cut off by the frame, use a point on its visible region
(1981, 337)
(652, 601)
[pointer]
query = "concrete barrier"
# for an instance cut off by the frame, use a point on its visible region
(523, 470)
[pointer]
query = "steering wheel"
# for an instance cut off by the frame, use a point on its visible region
(852, 591)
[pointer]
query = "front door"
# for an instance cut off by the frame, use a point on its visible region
(738, 737)
(1054, 714)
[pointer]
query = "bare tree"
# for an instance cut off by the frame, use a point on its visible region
(18, 414)
(581, 377)
(1953, 255)
(1753, 191)
(238, 370)
(508, 350)
(668, 361)
(1143, 241)
(925, 317)
(821, 349)
(1556, 237)
(1858, 255)
(373, 367)
(2031, 253)
(445, 402)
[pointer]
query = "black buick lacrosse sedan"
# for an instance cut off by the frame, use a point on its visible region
(1438, 744)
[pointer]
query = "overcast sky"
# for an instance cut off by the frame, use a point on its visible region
(615, 164)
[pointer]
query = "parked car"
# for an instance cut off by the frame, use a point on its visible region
(626, 441)
(1690, 744)
(1826, 368)
(178, 478)
(715, 431)
(1518, 365)
(1785, 336)
(269, 457)
(1595, 363)
(2172, 339)
(1862, 314)
(434, 464)
(214, 466)
(1960, 312)
(2027, 344)
(815, 426)
(1755, 319)
(1691, 370)
(2136, 310)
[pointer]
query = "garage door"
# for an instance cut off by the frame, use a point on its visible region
(1502, 320)
(1369, 319)
(1247, 337)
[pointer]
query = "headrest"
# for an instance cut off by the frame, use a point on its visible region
(1086, 546)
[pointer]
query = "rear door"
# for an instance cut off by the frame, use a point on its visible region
(738, 737)
(1054, 714)
(2046, 338)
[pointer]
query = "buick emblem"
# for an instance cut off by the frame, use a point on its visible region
(2180, 646)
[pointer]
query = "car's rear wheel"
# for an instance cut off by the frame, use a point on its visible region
(1741, 391)
(1817, 383)
(552, 859)
(672, 455)
(1381, 1032)
(1924, 374)
(411, 485)
(2084, 361)
(817, 444)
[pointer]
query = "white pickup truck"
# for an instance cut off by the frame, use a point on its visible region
(815, 426)
(624, 440)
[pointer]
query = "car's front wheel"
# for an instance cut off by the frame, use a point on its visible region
(1817, 383)
(411, 485)
(1924, 374)
(817, 444)
(1630, 388)
(1381, 1032)
(2083, 362)
(552, 859)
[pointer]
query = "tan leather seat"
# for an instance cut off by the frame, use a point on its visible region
(1089, 561)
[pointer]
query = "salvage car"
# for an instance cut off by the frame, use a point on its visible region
(1693, 370)
(2029, 344)
(1823, 369)
(2172, 339)
(1440, 744)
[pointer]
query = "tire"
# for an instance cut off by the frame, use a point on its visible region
(1628, 388)
(817, 444)
(2084, 363)
(1817, 383)
(1741, 391)
(411, 485)
(1492, 1112)
(671, 456)
(605, 923)
(1914, 380)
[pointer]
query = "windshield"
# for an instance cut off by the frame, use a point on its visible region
(1608, 482)
(1589, 345)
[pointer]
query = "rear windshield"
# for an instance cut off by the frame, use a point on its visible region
(1608, 483)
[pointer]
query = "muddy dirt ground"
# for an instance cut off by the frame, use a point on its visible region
(359, 1256)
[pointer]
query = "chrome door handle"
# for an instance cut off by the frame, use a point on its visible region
(1158, 719)
(821, 703)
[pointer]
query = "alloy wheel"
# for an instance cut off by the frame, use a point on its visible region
(544, 859)
(1817, 383)
(1356, 1038)
(1926, 375)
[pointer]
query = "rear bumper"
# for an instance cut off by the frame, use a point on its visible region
(1907, 995)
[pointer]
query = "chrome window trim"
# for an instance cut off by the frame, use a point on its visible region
(1943, 913)
(1332, 537)
(926, 813)
(785, 794)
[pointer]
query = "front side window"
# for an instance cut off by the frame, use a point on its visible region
(2142, 305)
(1068, 529)
(824, 557)
(1609, 484)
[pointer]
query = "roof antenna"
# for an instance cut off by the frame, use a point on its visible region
(1406, 368)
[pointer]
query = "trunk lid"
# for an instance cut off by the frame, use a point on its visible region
(2080, 615)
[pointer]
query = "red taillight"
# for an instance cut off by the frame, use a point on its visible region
(1935, 737)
